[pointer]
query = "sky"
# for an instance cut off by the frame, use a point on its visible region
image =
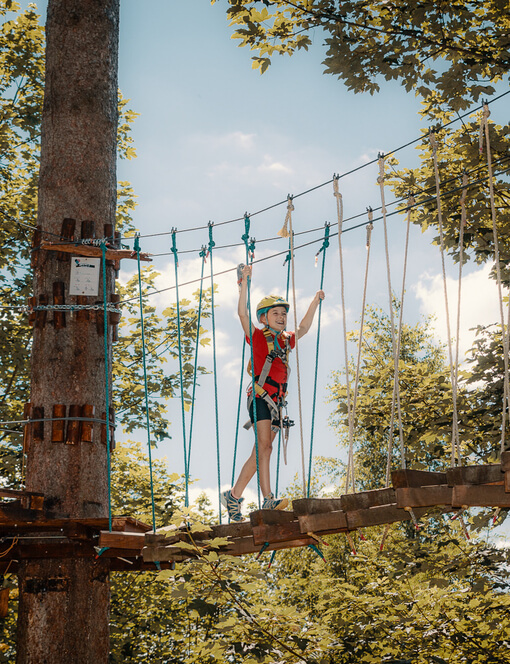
(215, 140)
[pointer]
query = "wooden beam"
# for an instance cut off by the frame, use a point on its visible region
(305, 506)
(505, 460)
(282, 532)
(325, 523)
(376, 516)
(365, 499)
(79, 249)
(425, 496)
(484, 495)
(409, 478)
(271, 517)
(483, 474)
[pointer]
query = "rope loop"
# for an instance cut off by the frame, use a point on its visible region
(246, 235)
(211, 241)
(174, 246)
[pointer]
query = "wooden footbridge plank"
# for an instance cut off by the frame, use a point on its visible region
(426, 496)
(483, 495)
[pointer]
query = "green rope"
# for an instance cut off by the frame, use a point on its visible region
(107, 387)
(144, 361)
(250, 248)
(187, 459)
(215, 373)
(325, 245)
(181, 382)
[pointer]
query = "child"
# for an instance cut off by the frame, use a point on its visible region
(270, 387)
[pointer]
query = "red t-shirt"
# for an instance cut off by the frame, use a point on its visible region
(278, 371)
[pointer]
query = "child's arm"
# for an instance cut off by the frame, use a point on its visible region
(242, 307)
(307, 321)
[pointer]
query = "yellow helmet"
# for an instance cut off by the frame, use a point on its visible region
(269, 302)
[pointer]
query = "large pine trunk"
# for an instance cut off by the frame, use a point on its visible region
(64, 603)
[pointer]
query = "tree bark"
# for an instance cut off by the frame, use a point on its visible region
(64, 604)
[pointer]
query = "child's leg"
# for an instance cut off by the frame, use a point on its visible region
(265, 439)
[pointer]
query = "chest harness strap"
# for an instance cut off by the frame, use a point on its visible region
(275, 407)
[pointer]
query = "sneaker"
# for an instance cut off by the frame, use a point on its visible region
(272, 503)
(233, 506)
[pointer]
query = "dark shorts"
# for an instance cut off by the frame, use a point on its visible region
(263, 412)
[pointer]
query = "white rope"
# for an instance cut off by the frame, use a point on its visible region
(504, 330)
(396, 390)
(350, 417)
(433, 143)
(350, 477)
(287, 231)
(463, 215)
(410, 205)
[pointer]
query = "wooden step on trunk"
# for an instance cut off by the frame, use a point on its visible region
(483, 474)
(483, 495)
(122, 540)
(424, 496)
(505, 461)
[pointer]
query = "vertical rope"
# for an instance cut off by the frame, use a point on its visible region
(215, 373)
(455, 429)
(187, 461)
(279, 450)
(246, 238)
(181, 383)
(238, 418)
(144, 362)
(504, 331)
(340, 217)
(107, 385)
(396, 390)
(349, 478)
(410, 204)
(288, 224)
(325, 245)
(459, 298)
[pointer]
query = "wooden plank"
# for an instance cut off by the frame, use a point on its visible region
(90, 250)
(122, 540)
(240, 529)
(488, 495)
(271, 517)
(245, 545)
(282, 532)
(365, 499)
(425, 496)
(409, 478)
(323, 524)
(507, 481)
(505, 460)
(304, 506)
(376, 516)
(483, 474)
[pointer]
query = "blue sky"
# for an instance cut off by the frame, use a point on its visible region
(215, 139)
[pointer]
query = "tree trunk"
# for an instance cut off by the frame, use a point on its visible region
(64, 603)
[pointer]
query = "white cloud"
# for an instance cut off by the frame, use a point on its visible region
(479, 303)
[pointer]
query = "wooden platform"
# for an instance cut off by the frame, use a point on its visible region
(28, 531)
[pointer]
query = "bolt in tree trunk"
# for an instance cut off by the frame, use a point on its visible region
(64, 602)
